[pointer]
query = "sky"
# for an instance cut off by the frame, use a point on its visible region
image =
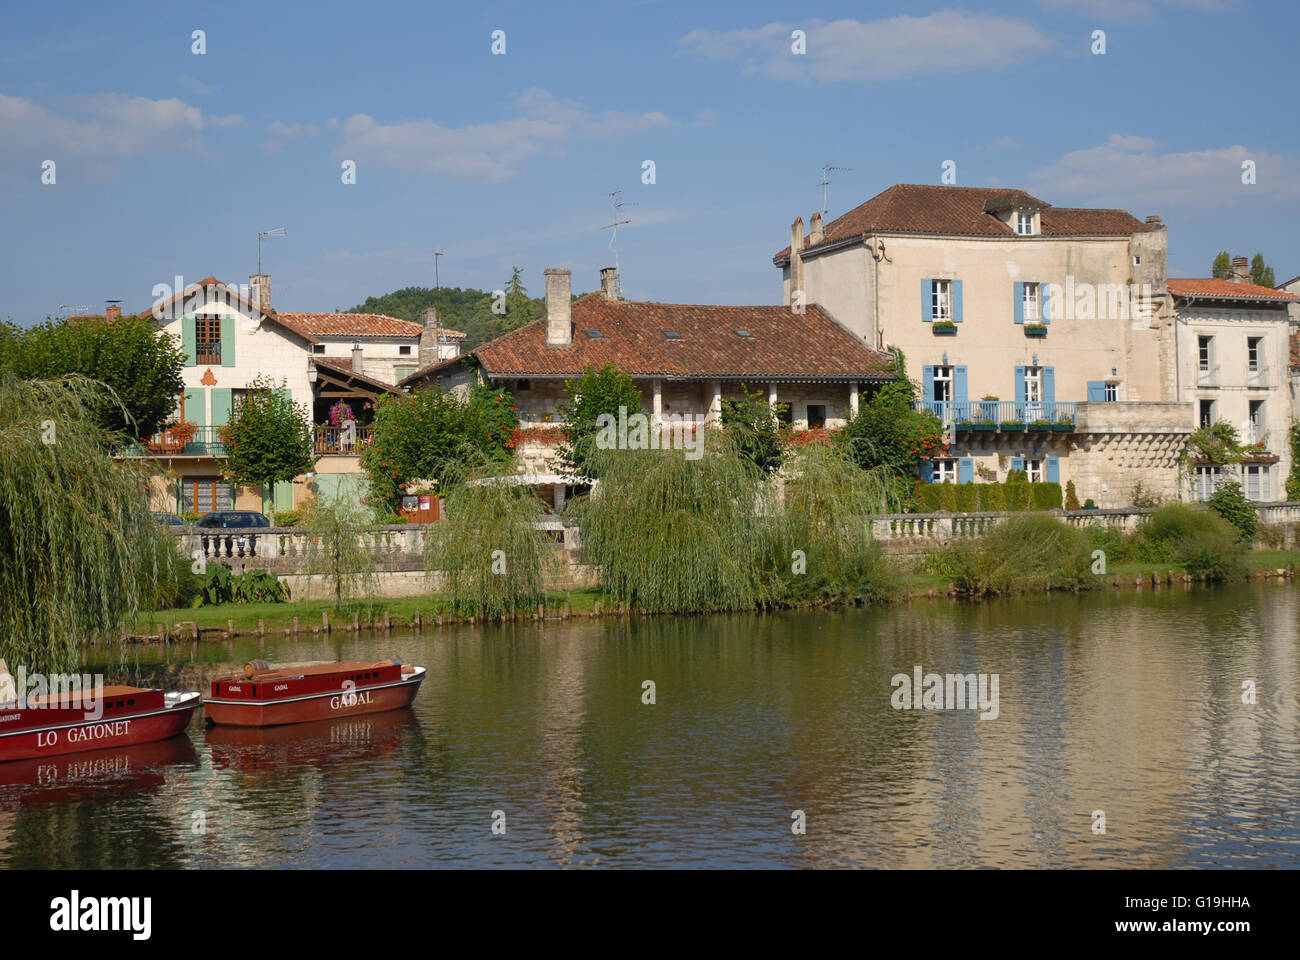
(166, 161)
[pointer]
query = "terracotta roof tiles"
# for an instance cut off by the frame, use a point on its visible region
(1214, 289)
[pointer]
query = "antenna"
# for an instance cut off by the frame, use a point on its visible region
(72, 306)
(616, 197)
(274, 232)
(437, 286)
(827, 168)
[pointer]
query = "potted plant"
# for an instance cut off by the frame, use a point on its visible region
(1035, 330)
(1040, 424)
(1089, 504)
(944, 327)
(1013, 426)
(1063, 424)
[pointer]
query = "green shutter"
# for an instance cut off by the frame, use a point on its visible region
(196, 405)
(188, 339)
(284, 495)
(222, 398)
(228, 341)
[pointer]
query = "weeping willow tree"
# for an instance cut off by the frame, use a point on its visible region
(79, 552)
(337, 551)
(491, 553)
(819, 542)
(675, 534)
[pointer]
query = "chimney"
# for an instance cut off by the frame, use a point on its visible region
(1240, 270)
(609, 282)
(112, 312)
(1154, 220)
(259, 287)
(429, 337)
(559, 325)
(796, 258)
(357, 365)
(815, 232)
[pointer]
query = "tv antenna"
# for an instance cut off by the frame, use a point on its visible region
(274, 232)
(71, 307)
(616, 197)
(437, 285)
(826, 182)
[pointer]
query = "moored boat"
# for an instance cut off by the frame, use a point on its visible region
(122, 716)
(264, 697)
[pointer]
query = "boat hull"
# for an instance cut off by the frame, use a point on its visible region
(319, 706)
(103, 734)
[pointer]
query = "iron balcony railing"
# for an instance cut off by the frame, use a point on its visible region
(343, 440)
(203, 442)
(1004, 414)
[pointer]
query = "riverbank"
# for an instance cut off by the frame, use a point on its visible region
(224, 621)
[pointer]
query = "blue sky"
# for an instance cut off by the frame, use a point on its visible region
(168, 162)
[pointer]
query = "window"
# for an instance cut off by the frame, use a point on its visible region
(594, 335)
(523, 385)
(1031, 303)
(816, 415)
(941, 302)
(403, 370)
(784, 414)
(207, 340)
(744, 334)
(1137, 260)
(1112, 392)
(1033, 384)
(1024, 223)
(1034, 470)
(1257, 422)
(943, 384)
(1206, 413)
(945, 471)
(1256, 483)
(1255, 354)
(318, 348)
(404, 351)
(1205, 353)
(206, 494)
(672, 335)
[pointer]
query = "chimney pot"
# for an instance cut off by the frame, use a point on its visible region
(609, 282)
(1153, 219)
(816, 232)
(1240, 269)
(559, 321)
(358, 365)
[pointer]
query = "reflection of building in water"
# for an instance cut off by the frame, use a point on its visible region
(561, 718)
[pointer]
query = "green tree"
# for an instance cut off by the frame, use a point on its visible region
(423, 437)
(1229, 502)
(468, 310)
(1293, 481)
(1221, 269)
(594, 393)
(336, 548)
(269, 438)
(78, 549)
(752, 423)
(141, 367)
(1261, 273)
(888, 433)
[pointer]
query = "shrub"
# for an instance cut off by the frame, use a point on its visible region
(1071, 498)
(992, 497)
(1229, 502)
(967, 497)
(1196, 539)
(252, 586)
(1046, 496)
(191, 516)
(1017, 491)
(1034, 550)
(287, 518)
(948, 497)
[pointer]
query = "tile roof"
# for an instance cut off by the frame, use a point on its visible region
(226, 293)
(345, 367)
(1214, 289)
(781, 345)
(351, 325)
(966, 212)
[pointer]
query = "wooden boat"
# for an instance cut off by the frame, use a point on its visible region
(264, 697)
(50, 726)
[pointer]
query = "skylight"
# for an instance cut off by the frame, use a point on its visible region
(672, 335)
(595, 335)
(744, 333)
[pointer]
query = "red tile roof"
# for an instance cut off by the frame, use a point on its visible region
(1213, 289)
(967, 212)
(228, 294)
(782, 345)
(352, 325)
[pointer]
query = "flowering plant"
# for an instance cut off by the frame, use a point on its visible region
(341, 413)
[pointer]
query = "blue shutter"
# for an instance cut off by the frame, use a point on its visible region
(927, 384)
(1018, 294)
(1096, 391)
(1043, 296)
(927, 300)
(1020, 388)
(959, 389)
(927, 471)
(1053, 470)
(1049, 385)
(1018, 463)
(966, 470)
(956, 301)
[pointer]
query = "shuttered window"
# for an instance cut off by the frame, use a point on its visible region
(207, 339)
(206, 494)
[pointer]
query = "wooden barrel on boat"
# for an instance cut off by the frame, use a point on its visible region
(253, 667)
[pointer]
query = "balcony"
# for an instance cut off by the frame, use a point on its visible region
(1005, 415)
(190, 442)
(343, 441)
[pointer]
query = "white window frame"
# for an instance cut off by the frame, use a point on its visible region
(1112, 391)
(941, 300)
(1260, 474)
(1254, 354)
(1033, 384)
(1036, 470)
(943, 375)
(1024, 223)
(1032, 300)
(1206, 480)
(945, 470)
(1204, 352)
(1202, 421)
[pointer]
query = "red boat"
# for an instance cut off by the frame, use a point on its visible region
(263, 697)
(46, 727)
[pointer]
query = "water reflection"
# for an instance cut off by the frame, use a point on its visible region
(1126, 703)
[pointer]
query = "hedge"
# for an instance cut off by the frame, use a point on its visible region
(988, 497)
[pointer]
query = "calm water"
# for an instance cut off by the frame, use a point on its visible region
(1125, 703)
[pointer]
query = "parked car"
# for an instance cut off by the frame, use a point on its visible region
(227, 519)
(167, 519)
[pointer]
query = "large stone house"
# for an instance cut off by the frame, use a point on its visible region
(1047, 337)
(684, 357)
(1234, 355)
(230, 338)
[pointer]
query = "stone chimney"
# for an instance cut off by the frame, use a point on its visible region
(259, 288)
(1240, 270)
(429, 336)
(609, 282)
(796, 259)
(112, 312)
(816, 234)
(1154, 220)
(559, 323)
(358, 366)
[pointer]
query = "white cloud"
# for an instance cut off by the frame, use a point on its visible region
(281, 133)
(1131, 9)
(197, 86)
(489, 152)
(949, 40)
(1133, 170)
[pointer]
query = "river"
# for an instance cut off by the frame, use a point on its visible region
(1123, 705)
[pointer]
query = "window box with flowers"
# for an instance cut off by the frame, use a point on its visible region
(1035, 330)
(173, 437)
(943, 328)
